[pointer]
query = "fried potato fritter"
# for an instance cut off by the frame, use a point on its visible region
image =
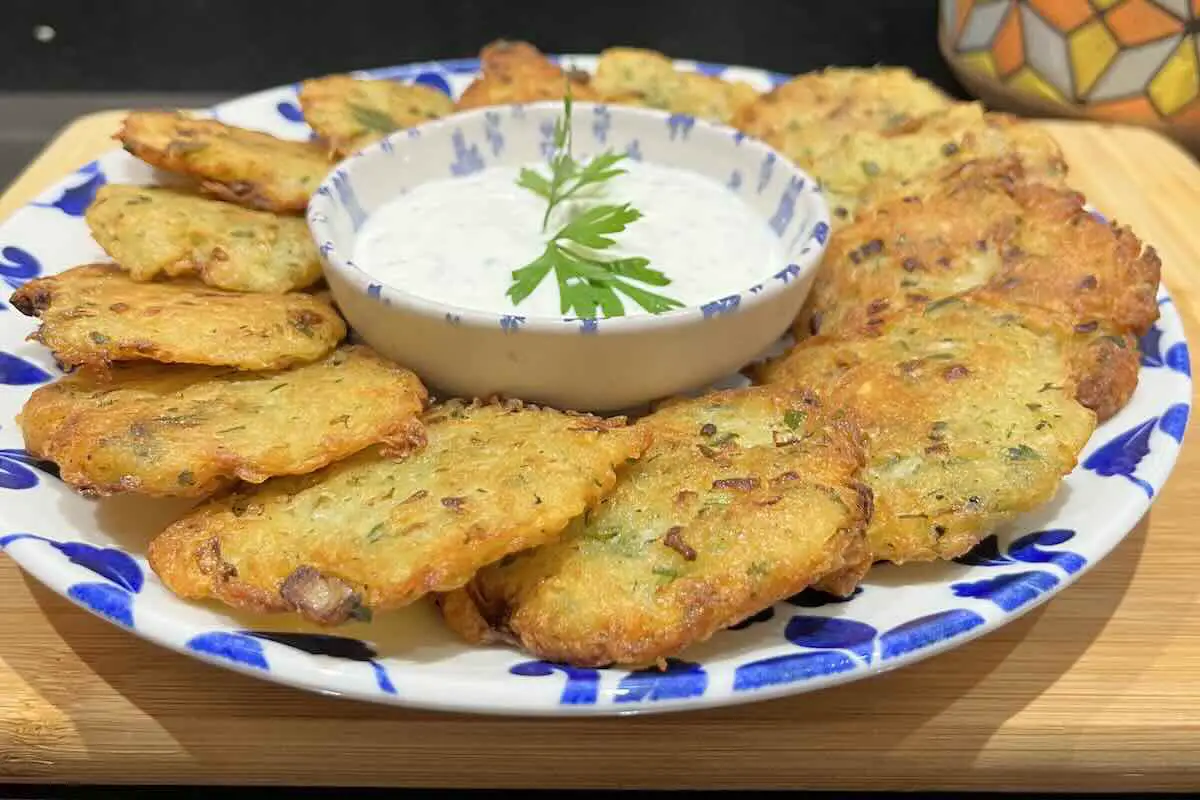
(187, 431)
(151, 231)
(969, 406)
(983, 227)
(627, 75)
(250, 168)
(517, 72)
(836, 101)
(349, 113)
(864, 167)
(372, 532)
(744, 497)
(96, 314)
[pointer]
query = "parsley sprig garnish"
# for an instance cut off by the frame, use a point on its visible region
(587, 281)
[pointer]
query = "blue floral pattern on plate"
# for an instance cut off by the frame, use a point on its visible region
(1153, 355)
(831, 645)
(1123, 454)
(236, 648)
(290, 110)
(246, 648)
(580, 684)
(16, 371)
(1013, 590)
(808, 641)
(111, 598)
(73, 200)
(16, 267)
(680, 680)
(434, 80)
(16, 472)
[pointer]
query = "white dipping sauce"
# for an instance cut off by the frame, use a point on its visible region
(458, 240)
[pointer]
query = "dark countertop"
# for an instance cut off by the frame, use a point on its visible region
(63, 58)
(234, 46)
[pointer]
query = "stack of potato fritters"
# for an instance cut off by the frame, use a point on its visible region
(984, 228)
(179, 388)
(820, 106)
(973, 317)
(969, 324)
(876, 133)
(969, 407)
(373, 532)
(629, 76)
(196, 363)
(969, 309)
(250, 168)
(517, 72)
(96, 314)
(188, 431)
(349, 114)
(744, 497)
(153, 232)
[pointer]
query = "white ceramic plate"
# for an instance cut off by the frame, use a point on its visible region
(93, 552)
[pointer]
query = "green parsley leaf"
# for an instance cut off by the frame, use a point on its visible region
(598, 284)
(591, 228)
(582, 287)
(667, 574)
(527, 278)
(654, 303)
(372, 118)
(534, 182)
(587, 282)
(603, 535)
(598, 170)
(562, 126)
(638, 269)
(1022, 452)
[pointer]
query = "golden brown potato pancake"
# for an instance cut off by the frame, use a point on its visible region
(374, 532)
(633, 76)
(743, 498)
(865, 166)
(151, 232)
(969, 407)
(349, 114)
(983, 227)
(517, 72)
(96, 314)
(187, 431)
(250, 168)
(837, 101)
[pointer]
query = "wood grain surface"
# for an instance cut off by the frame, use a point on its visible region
(1098, 689)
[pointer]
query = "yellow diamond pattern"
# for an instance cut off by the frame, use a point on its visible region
(1092, 49)
(1154, 78)
(1175, 84)
(1026, 80)
(980, 61)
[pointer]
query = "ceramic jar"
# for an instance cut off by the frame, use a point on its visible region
(1119, 60)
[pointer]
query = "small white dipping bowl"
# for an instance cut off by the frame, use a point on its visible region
(602, 364)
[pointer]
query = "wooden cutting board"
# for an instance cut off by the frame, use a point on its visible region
(1099, 689)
